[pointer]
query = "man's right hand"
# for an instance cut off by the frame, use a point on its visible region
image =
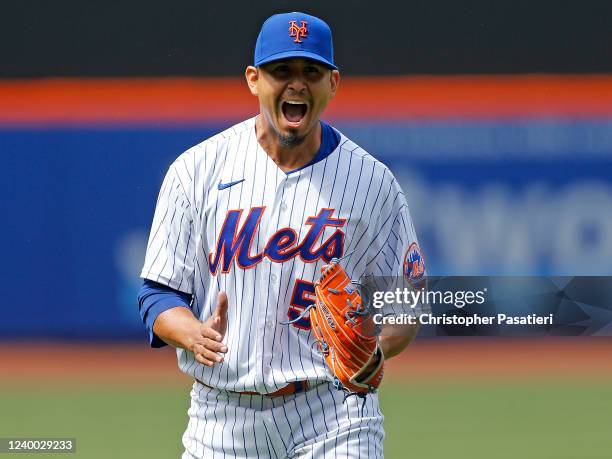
(180, 328)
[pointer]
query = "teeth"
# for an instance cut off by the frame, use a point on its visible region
(294, 102)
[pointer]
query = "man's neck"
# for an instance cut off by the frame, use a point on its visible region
(287, 158)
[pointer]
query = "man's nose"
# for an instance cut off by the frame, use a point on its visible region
(297, 82)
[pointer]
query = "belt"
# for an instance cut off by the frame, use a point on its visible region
(294, 387)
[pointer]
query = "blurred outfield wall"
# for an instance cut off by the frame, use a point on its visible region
(504, 175)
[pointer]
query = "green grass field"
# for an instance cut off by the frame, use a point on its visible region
(441, 420)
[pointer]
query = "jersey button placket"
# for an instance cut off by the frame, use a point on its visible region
(263, 304)
(270, 291)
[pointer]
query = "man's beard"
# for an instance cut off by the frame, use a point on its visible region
(290, 141)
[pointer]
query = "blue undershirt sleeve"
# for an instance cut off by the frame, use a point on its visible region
(155, 298)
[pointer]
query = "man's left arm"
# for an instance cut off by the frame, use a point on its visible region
(398, 262)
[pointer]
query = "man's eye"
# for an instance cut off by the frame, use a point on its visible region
(312, 70)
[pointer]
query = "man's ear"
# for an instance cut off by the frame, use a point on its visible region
(252, 75)
(334, 81)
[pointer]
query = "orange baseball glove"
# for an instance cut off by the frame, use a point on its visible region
(344, 331)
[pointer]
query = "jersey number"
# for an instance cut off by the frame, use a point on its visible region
(302, 297)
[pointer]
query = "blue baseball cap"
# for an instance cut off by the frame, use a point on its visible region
(294, 35)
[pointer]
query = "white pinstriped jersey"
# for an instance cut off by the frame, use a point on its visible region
(228, 218)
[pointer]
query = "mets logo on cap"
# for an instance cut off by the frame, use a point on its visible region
(298, 32)
(414, 265)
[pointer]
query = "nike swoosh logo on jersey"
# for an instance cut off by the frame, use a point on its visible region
(223, 186)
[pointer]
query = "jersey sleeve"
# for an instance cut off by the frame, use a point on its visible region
(169, 258)
(396, 260)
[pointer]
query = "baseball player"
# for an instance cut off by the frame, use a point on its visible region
(243, 224)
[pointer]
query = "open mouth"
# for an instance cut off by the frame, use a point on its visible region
(294, 111)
